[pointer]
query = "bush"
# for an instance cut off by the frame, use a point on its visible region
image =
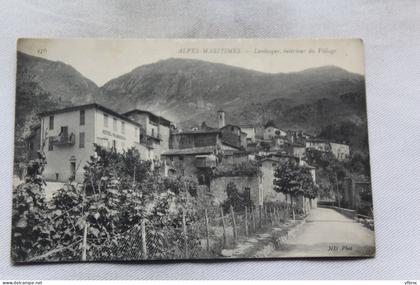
(118, 193)
(236, 199)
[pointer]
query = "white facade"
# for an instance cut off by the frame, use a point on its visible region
(70, 141)
(340, 151)
(273, 132)
(318, 145)
(250, 131)
(156, 132)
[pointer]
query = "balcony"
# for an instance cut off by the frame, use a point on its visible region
(63, 140)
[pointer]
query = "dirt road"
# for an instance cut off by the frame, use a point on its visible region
(329, 233)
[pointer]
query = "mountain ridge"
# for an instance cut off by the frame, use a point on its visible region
(165, 85)
(189, 91)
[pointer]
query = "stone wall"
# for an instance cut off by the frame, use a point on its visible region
(218, 187)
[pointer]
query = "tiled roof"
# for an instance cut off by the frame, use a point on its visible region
(89, 106)
(197, 132)
(162, 120)
(190, 151)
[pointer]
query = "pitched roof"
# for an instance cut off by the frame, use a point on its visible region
(162, 120)
(190, 151)
(88, 106)
(190, 132)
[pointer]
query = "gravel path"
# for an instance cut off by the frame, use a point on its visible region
(329, 233)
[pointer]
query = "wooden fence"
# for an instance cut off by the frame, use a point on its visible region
(217, 228)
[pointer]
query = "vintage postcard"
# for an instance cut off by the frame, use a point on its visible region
(179, 149)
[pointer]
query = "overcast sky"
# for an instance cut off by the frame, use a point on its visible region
(105, 59)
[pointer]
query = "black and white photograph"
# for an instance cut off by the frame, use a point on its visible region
(190, 149)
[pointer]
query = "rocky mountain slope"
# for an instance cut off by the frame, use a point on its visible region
(61, 80)
(191, 91)
(45, 85)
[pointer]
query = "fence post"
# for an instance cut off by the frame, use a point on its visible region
(285, 213)
(246, 221)
(207, 229)
(143, 238)
(184, 229)
(84, 244)
(260, 208)
(235, 233)
(224, 226)
(253, 220)
(270, 215)
(266, 214)
(274, 214)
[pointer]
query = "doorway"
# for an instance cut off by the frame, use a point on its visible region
(72, 170)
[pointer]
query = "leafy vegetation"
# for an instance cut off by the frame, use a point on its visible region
(235, 199)
(118, 194)
(293, 180)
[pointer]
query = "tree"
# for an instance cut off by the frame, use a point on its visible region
(318, 158)
(336, 174)
(293, 180)
(286, 181)
(236, 199)
(270, 123)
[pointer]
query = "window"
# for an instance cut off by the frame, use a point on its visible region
(136, 133)
(181, 158)
(105, 120)
(51, 122)
(82, 117)
(153, 132)
(247, 194)
(81, 140)
(64, 132)
(114, 125)
(50, 143)
(122, 127)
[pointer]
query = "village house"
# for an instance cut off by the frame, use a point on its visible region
(250, 132)
(225, 137)
(318, 144)
(259, 187)
(188, 149)
(154, 131)
(70, 135)
(254, 133)
(271, 132)
(296, 150)
(268, 166)
(189, 161)
(341, 151)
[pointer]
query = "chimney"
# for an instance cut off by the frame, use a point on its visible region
(221, 117)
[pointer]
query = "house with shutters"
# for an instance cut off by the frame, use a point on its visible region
(70, 135)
